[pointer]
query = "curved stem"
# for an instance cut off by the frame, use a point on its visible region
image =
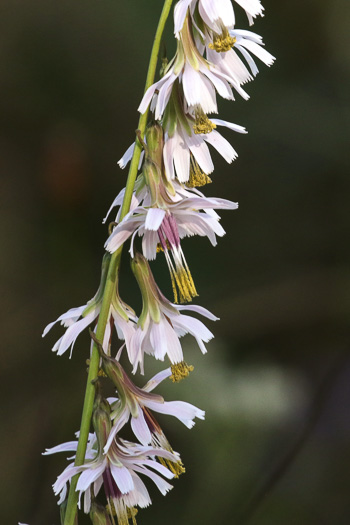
(111, 279)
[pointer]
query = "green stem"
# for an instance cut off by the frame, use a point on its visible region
(111, 279)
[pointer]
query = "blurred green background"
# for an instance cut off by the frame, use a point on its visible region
(72, 75)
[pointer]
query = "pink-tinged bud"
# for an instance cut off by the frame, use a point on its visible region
(99, 515)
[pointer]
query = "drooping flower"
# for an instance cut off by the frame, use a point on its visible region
(117, 471)
(187, 134)
(216, 14)
(76, 320)
(200, 79)
(161, 323)
(137, 404)
(164, 227)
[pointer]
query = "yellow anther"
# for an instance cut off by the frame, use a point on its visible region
(131, 514)
(177, 468)
(124, 513)
(222, 43)
(180, 371)
(160, 247)
(197, 177)
(203, 124)
(183, 285)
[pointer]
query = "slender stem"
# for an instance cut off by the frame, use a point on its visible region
(111, 279)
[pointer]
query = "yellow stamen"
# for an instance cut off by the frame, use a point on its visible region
(160, 247)
(203, 124)
(177, 468)
(223, 43)
(131, 514)
(181, 281)
(197, 177)
(180, 371)
(124, 515)
(186, 285)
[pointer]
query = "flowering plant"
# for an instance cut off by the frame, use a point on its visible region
(161, 204)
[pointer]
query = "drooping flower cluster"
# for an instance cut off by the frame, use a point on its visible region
(212, 57)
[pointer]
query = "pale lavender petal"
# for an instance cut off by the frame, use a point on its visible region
(154, 218)
(230, 125)
(140, 428)
(221, 145)
(122, 477)
(157, 379)
(198, 309)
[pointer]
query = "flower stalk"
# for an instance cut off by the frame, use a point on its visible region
(113, 269)
(156, 210)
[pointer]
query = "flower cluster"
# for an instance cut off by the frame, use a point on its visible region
(212, 57)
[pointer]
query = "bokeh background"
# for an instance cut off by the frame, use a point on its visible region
(277, 373)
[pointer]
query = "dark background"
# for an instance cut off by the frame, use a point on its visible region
(72, 76)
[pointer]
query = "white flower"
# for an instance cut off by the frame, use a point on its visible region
(185, 151)
(137, 404)
(162, 228)
(161, 323)
(215, 13)
(198, 77)
(77, 319)
(118, 472)
(180, 219)
(187, 135)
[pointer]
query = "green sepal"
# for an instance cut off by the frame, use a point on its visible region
(190, 49)
(153, 174)
(169, 118)
(179, 61)
(155, 142)
(178, 105)
(91, 305)
(145, 280)
(101, 420)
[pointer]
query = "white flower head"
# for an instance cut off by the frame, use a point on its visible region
(215, 13)
(137, 404)
(76, 320)
(161, 323)
(163, 226)
(186, 153)
(187, 135)
(199, 78)
(117, 471)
